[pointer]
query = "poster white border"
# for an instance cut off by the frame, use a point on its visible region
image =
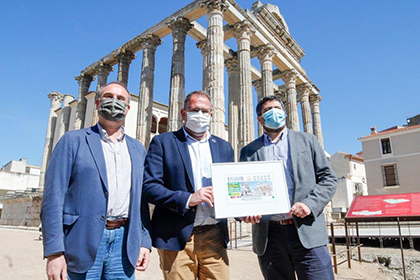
(249, 188)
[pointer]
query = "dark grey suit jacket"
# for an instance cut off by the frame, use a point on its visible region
(315, 185)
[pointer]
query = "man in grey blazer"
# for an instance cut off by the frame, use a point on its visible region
(294, 242)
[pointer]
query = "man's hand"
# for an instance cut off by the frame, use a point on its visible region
(143, 259)
(202, 195)
(56, 267)
(251, 219)
(300, 210)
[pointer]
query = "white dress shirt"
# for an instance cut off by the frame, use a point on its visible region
(201, 161)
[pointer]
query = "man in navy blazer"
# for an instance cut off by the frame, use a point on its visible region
(91, 218)
(177, 179)
(293, 242)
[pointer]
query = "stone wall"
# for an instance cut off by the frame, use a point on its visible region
(21, 211)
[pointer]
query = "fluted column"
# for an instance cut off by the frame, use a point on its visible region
(242, 33)
(55, 99)
(180, 27)
(102, 71)
(124, 61)
(202, 45)
(289, 77)
(64, 126)
(265, 55)
(258, 88)
(233, 101)
(303, 98)
(314, 99)
(84, 84)
(145, 105)
(215, 64)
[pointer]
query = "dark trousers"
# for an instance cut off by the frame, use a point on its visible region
(286, 255)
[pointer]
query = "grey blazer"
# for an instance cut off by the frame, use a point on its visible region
(315, 185)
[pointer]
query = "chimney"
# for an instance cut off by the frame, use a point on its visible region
(373, 130)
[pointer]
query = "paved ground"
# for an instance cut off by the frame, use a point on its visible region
(21, 258)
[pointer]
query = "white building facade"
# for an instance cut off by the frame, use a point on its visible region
(351, 174)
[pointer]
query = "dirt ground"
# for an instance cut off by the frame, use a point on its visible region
(21, 258)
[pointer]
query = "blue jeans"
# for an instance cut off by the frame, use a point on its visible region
(111, 260)
(286, 255)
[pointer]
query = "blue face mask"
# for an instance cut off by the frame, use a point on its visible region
(274, 118)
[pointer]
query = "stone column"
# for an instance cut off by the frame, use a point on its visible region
(289, 77)
(145, 105)
(84, 84)
(242, 33)
(102, 71)
(180, 27)
(55, 99)
(215, 64)
(303, 98)
(233, 101)
(124, 60)
(265, 55)
(202, 45)
(314, 99)
(64, 127)
(258, 88)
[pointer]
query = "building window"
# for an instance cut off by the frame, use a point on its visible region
(389, 175)
(386, 146)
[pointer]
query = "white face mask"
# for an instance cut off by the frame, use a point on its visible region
(197, 121)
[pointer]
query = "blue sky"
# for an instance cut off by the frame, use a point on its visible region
(363, 55)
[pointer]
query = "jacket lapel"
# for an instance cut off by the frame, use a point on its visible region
(181, 143)
(94, 142)
(260, 149)
(213, 149)
(293, 157)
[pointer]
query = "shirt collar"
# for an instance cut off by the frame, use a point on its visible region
(283, 136)
(192, 139)
(105, 137)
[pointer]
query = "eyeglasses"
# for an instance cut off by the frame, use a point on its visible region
(197, 109)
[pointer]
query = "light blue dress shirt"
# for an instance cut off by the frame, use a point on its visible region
(280, 151)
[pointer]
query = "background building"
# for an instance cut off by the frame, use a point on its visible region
(350, 171)
(392, 158)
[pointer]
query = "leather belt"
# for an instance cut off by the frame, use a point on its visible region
(282, 222)
(113, 224)
(205, 228)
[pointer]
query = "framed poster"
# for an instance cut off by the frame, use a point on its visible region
(249, 188)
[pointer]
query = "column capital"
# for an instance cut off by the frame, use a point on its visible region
(282, 96)
(84, 78)
(289, 76)
(315, 99)
(56, 98)
(303, 90)
(212, 5)
(257, 85)
(103, 69)
(243, 30)
(202, 45)
(265, 52)
(151, 41)
(232, 64)
(179, 24)
(125, 56)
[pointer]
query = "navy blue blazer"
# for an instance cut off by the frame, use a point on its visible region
(169, 182)
(75, 199)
